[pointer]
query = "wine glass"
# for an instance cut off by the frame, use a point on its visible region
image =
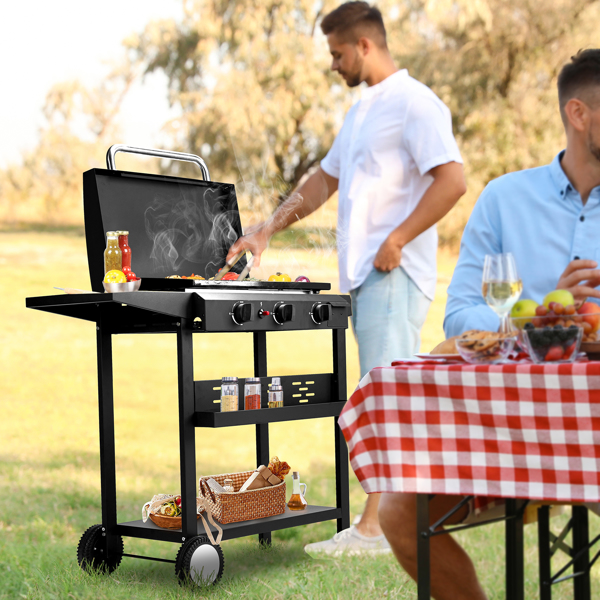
(501, 286)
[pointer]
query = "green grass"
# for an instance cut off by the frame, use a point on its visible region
(49, 471)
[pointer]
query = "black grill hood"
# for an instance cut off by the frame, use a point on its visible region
(176, 226)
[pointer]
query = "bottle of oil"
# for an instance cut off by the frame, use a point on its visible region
(112, 254)
(297, 501)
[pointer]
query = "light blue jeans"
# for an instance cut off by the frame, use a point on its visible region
(388, 312)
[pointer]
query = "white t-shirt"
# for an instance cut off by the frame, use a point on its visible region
(390, 139)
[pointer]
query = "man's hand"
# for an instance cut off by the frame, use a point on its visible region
(388, 256)
(256, 242)
(581, 278)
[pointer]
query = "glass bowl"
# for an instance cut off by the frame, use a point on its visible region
(129, 286)
(551, 344)
(488, 350)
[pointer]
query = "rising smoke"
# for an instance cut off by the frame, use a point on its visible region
(190, 229)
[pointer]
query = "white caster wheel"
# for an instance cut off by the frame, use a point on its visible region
(199, 562)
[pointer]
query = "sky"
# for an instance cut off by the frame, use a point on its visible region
(43, 42)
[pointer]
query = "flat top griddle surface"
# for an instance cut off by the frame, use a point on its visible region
(149, 283)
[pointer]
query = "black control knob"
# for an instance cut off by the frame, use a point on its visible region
(283, 313)
(320, 313)
(242, 312)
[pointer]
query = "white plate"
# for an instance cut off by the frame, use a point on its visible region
(441, 357)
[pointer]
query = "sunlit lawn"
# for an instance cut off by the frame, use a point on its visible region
(49, 474)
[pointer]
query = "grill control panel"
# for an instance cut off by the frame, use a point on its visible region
(256, 311)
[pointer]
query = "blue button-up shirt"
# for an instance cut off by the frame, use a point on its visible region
(538, 216)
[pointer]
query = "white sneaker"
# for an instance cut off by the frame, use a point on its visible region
(349, 542)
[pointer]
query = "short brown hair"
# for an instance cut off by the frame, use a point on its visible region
(580, 79)
(353, 20)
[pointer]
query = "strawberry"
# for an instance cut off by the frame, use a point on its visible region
(569, 350)
(554, 353)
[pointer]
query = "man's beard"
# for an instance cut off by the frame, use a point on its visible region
(593, 147)
(353, 79)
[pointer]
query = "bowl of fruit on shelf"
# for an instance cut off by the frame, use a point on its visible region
(554, 330)
(116, 281)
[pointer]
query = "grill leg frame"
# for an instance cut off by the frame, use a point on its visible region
(106, 422)
(187, 429)
(339, 393)
(262, 429)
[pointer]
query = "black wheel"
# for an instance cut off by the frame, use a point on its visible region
(199, 562)
(92, 552)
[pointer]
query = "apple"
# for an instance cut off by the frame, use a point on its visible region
(524, 309)
(563, 297)
(591, 312)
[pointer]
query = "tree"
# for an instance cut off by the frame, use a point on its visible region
(80, 124)
(495, 63)
(252, 80)
(259, 103)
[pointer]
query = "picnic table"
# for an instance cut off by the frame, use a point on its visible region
(509, 433)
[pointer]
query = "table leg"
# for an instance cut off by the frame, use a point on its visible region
(581, 583)
(544, 556)
(423, 557)
(514, 550)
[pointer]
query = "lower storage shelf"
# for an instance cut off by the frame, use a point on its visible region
(312, 514)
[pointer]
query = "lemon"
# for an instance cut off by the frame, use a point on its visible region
(115, 276)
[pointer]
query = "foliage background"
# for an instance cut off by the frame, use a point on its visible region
(257, 100)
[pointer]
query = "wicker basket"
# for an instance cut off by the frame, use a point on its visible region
(232, 507)
(167, 522)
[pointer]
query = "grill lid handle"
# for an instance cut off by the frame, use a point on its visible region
(184, 156)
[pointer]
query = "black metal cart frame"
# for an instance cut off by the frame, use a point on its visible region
(118, 314)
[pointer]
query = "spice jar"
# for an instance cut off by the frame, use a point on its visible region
(112, 254)
(276, 393)
(252, 393)
(229, 394)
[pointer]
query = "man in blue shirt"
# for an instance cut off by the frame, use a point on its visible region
(549, 218)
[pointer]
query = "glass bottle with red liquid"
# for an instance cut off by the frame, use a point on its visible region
(125, 251)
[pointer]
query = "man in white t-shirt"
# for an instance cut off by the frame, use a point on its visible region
(398, 171)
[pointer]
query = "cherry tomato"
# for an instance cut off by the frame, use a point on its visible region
(131, 276)
(229, 277)
(178, 501)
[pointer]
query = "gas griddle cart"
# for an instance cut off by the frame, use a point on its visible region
(187, 308)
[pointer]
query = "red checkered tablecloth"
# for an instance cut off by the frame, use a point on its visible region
(515, 431)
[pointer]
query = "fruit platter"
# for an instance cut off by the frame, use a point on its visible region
(554, 330)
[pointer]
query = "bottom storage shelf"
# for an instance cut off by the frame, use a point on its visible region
(312, 514)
